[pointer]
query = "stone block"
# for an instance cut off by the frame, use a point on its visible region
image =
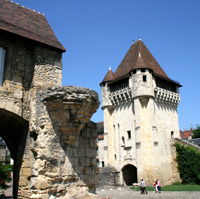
(90, 153)
(18, 93)
(93, 161)
(9, 106)
(2, 104)
(87, 162)
(23, 181)
(26, 171)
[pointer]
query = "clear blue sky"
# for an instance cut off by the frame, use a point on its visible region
(98, 33)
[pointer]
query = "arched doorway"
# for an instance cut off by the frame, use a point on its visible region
(129, 174)
(13, 130)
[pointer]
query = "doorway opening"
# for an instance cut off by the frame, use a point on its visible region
(129, 174)
(13, 130)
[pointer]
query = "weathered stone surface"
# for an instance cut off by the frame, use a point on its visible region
(47, 127)
(140, 121)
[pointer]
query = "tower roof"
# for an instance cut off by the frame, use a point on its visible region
(137, 57)
(27, 23)
(109, 76)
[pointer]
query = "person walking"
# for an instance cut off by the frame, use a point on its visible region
(143, 186)
(159, 186)
(155, 186)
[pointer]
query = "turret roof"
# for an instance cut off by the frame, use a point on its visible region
(109, 76)
(27, 23)
(138, 56)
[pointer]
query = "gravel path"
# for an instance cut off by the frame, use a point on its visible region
(126, 193)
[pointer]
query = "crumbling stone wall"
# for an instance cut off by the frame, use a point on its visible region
(62, 163)
(54, 144)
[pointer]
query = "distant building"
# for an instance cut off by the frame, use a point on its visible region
(100, 143)
(139, 102)
(4, 153)
(186, 134)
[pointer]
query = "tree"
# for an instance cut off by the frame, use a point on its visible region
(196, 132)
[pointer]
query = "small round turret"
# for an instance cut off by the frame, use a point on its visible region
(141, 83)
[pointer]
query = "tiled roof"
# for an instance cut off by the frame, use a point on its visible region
(100, 127)
(138, 56)
(109, 76)
(27, 23)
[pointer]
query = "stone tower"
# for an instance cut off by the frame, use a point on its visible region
(140, 102)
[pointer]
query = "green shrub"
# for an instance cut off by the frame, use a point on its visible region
(196, 132)
(4, 175)
(188, 163)
(9, 167)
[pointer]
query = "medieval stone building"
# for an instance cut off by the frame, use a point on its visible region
(140, 102)
(46, 126)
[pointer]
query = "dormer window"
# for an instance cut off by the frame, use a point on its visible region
(2, 60)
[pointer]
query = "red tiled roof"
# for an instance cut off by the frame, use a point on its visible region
(186, 133)
(101, 137)
(27, 23)
(137, 57)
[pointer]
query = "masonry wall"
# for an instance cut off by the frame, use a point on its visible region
(23, 61)
(45, 165)
(108, 176)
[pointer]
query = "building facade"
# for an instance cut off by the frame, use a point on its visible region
(140, 102)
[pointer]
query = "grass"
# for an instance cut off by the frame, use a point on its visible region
(179, 187)
(182, 187)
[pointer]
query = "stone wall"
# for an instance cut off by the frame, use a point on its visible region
(47, 127)
(108, 176)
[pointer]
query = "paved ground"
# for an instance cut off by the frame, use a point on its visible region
(126, 193)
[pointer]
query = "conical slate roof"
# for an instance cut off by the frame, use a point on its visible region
(109, 76)
(138, 56)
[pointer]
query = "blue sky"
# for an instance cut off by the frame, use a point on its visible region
(98, 33)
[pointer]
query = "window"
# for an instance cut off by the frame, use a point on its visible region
(123, 141)
(129, 134)
(2, 59)
(172, 134)
(144, 78)
(102, 163)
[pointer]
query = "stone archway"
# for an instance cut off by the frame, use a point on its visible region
(14, 129)
(129, 174)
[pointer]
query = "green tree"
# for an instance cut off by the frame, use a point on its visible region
(196, 132)
(188, 163)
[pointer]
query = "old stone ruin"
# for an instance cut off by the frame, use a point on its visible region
(46, 126)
